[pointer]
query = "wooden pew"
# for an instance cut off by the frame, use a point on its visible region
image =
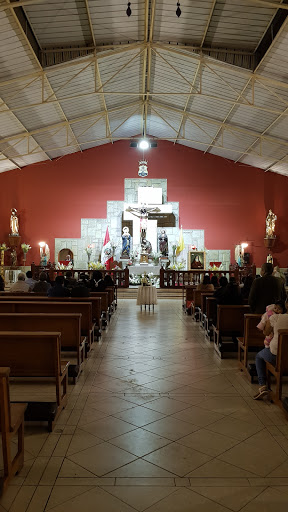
(53, 305)
(253, 341)
(189, 289)
(11, 423)
(281, 368)
(230, 324)
(69, 325)
(105, 306)
(210, 317)
(37, 355)
(95, 302)
(196, 305)
(202, 310)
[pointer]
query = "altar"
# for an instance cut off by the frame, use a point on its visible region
(141, 269)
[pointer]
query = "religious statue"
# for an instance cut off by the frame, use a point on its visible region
(142, 212)
(126, 243)
(270, 224)
(13, 257)
(163, 243)
(14, 223)
(146, 246)
(269, 258)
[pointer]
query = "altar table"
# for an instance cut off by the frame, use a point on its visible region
(146, 295)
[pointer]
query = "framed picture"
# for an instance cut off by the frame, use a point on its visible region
(196, 260)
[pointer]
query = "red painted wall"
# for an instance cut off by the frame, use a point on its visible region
(229, 201)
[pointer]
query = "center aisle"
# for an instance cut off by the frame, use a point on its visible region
(159, 423)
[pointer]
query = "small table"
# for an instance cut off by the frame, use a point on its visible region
(146, 295)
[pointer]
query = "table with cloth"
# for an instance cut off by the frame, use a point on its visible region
(146, 296)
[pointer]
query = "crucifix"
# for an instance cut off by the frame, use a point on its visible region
(142, 212)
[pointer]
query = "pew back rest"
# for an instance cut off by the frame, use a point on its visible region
(46, 305)
(211, 308)
(204, 295)
(104, 299)
(189, 289)
(197, 298)
(69, 325)
(282, 353)
(5, 410)
(252, 335)
(31, 354)
(231, 318)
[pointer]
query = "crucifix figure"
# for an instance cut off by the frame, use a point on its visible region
(142, 212)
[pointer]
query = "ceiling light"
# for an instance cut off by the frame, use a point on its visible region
(128, 10)
(143, 144)
(178, 10)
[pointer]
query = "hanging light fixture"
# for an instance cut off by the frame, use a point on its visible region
(128, 10)
(178, 10)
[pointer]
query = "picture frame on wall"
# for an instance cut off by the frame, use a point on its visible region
(196, 260)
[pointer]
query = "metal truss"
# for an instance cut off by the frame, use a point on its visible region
(145, 98)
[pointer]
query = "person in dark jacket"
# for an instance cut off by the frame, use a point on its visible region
(223, 282)
(231, 295)
(81, 289)
(245, 291)
(265, 291)
(42, 286)
(58, 290)
(97, 283)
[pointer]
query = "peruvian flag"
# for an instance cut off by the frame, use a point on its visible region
(106, 254)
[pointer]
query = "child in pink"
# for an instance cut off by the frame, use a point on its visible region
(272, 312)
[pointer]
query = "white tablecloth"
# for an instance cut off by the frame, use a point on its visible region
(146, 295)
(11, 276)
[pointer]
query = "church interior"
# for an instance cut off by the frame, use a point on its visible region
(145, 143)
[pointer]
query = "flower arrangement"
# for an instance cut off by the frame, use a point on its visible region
(155, 257)
(96, 266)
(3, 247)
(177, 266)
(145, 280)
(25, 248)
(88, 249)
(60, 266)
(134, 279)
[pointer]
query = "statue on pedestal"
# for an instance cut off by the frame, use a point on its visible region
(146, 246)
(163, 243)
(13, 257)
(14, 223)
(270, 224)
(126, 243)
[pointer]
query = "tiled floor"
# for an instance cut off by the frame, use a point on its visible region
(157, 423)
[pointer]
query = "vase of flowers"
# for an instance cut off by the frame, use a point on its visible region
(88, 251)
(25, 248)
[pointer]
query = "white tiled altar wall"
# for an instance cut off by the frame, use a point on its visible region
(93, 230)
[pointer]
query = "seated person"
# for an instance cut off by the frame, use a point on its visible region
(108, 280)
(97, 282)
(20, 285)
(206, 285)
(273, 310)
(29, 279)
(42, 286)
(269, 354)
(58, 290)
(245, 290)
(214, 281)
(231, 295)
(2, 284)
(69, 280)
(223, 281)
(81, 289)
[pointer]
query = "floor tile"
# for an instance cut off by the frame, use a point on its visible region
(178, 459)
(108, 427)
(139, 416)
(141, 497)
(185, 500)
(94, 499)
(198, 416)
(233, 498)
(208, 442)
(268, 501)
(102, 458)
(171, 428)
(234, 428)
(139, 442)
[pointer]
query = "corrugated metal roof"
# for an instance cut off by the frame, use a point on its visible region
(166, 87)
